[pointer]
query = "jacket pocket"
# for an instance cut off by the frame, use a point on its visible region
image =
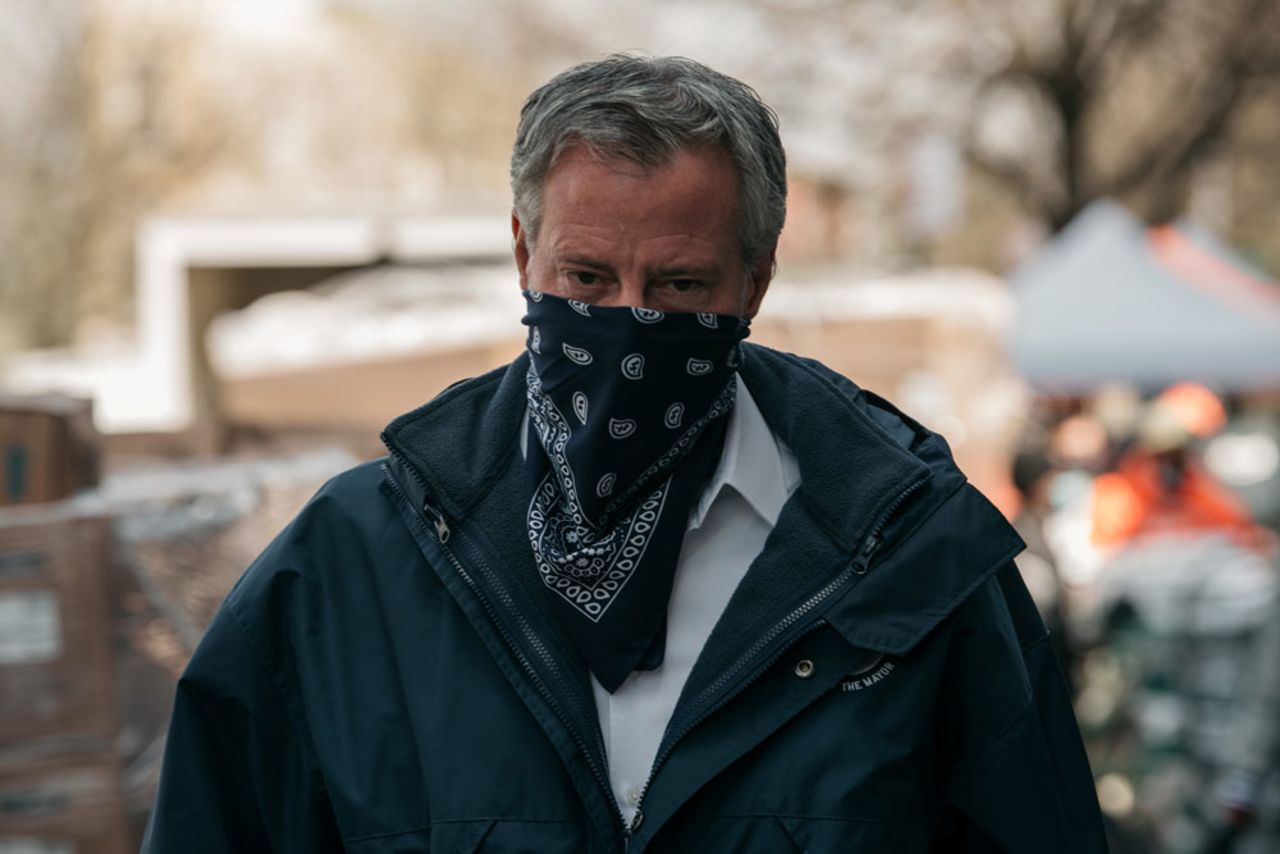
(465, 837)
(511, 837)
(451, 837)
(828, 836)
(479, 836)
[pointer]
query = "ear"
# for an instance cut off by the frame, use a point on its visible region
(758, 279)
(520, 246)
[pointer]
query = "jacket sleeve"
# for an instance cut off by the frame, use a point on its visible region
(1020, 780)
(237, 774)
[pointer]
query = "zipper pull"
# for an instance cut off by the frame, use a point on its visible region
(862, 561)
(437, 519)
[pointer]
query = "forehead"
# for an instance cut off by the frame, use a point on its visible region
(694, 192)
(698, 162)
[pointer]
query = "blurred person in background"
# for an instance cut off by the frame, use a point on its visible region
(1161, 487)
(1183, 691)
(647, 588)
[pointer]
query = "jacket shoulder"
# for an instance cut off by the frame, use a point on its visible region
(324, 563)
(337, 514)
(903, 430)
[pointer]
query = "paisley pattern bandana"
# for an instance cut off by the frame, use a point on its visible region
(626, 426)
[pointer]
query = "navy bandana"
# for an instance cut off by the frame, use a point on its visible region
(626, 426)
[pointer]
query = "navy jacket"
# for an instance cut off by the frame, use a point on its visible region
(386, 678)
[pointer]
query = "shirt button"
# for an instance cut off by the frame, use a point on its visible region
(633, 796)
(804, 668)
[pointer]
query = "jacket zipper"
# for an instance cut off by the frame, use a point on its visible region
(443, 535)
(858, 566)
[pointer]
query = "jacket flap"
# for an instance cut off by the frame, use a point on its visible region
(921, 578)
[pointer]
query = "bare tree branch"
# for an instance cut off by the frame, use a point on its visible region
(1198, 125)
(1016, 178)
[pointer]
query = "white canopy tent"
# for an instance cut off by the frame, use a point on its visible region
(1111, 300)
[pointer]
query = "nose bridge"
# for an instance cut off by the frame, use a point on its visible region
(631, 289)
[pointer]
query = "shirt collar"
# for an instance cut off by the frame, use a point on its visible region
(753, 463)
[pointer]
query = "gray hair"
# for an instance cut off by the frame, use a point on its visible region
(645, 110)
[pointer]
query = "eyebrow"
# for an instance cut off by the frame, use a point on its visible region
(686, 272)
(583, 262)
(677, 271)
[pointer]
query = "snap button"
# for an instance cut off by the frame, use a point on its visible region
(804, 668)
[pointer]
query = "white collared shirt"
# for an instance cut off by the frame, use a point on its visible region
(727, 529)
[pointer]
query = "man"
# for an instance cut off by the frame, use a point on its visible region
(647, 588)
(1159, 487)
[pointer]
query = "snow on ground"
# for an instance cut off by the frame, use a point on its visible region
(368, 314)
(116, 376)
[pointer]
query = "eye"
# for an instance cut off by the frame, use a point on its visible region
(683, 286)
(582, 277)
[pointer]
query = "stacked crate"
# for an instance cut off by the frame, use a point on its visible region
(59, 770)
(48, 448)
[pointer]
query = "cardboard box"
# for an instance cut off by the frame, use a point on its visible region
(56, 673)
(48, 448)
(60, 787)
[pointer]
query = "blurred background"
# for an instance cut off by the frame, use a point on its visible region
(237, 237)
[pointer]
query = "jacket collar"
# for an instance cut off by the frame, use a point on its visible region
(850, 470)
(461, 442)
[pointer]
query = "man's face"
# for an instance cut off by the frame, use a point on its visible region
(613, 233)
